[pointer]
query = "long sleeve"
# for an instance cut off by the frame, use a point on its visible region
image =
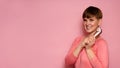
(70, 59)
(100, 60)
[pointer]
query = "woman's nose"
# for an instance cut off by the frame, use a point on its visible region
(88, 23)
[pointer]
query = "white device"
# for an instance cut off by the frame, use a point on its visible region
(98, 32)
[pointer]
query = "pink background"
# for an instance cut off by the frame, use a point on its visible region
(38, 34)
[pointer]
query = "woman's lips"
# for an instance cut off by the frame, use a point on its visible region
(88, 27)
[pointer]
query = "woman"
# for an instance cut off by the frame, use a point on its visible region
(89, 51)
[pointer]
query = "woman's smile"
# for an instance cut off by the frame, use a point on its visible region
(88, 27)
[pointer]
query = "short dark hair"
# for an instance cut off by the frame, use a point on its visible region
(92, 11)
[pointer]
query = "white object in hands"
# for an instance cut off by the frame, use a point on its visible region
(98, 32)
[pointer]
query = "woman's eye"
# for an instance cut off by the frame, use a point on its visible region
(91, 20)
(84, 20)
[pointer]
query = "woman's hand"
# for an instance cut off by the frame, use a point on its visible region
(88, 41)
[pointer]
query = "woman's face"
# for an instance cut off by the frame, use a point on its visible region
(91, 24)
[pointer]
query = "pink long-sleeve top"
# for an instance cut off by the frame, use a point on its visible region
(100, 60)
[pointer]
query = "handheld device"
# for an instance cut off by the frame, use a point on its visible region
(98, 32)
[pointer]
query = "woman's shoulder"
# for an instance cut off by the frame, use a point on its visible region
(101, 41)
(79, 37)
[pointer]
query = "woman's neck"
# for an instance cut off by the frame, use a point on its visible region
(93, 33)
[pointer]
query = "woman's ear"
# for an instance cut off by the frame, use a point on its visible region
(100, 21)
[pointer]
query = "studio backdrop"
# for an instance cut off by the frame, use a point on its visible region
(39, 33)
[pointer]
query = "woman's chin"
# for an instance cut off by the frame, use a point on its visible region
(88, 31)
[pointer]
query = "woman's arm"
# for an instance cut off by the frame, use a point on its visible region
(99, 60)
(73, 53)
